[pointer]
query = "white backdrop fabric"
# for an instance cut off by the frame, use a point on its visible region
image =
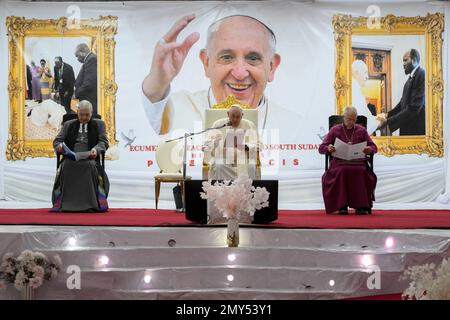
(303, 84)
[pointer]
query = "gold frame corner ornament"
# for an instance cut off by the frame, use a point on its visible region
(432, 27)
(102, 29)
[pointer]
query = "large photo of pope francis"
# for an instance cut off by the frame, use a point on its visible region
(239, 59)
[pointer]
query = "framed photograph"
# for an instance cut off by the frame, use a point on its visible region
(390, 70)
(45, 73)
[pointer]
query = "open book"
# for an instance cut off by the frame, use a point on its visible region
(75, 156)
(347, 151)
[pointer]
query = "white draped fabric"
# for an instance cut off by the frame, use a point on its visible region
(303, 84)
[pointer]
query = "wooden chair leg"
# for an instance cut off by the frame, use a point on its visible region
(157, 189)
(182, 193)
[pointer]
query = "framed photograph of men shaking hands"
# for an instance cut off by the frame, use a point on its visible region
(390, 69)
(54, 64)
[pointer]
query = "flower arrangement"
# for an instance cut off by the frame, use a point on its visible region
(236, 197)
(29, 268)
(428, 282)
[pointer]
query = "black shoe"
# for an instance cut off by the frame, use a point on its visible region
(343, 211)
(362, 211)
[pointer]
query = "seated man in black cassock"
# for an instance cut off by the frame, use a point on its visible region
(81, 184)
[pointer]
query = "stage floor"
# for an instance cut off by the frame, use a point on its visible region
(295, 257)
(380, 219)
(195, 263)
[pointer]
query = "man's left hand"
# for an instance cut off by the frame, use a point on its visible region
(93, 154)
(367, 150)
(382, 119)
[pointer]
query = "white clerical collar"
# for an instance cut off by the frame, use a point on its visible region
(86, 57)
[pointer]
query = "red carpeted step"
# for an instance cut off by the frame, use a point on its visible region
(380, 219)
(396, 296)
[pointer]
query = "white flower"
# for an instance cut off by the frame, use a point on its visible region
(40, 255)
(21, 275)
(5, 265)
(428, 282)
(38, 271)
(26, 255)
(8, 255)
(35, 282)
(29, 267)
(18, 284)
(231, 199)
(28, 263)
(53, 273)
(57, 261)
(8, 269)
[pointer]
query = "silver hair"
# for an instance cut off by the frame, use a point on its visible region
(350, 109)
(236, 106)
(214, 27)
(84, 104)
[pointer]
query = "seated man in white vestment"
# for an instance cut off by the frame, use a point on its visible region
(232, 150)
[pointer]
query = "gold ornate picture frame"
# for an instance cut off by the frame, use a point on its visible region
(431, 27)
(101, 31)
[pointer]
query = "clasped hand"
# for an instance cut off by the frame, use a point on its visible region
(93, 154)
(382, 118)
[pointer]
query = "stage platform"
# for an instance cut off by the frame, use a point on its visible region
(173, 259)
(380, 219)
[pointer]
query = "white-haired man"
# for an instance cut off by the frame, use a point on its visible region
(348, 183)
(81, 185)
(231, 149)
(359, 80)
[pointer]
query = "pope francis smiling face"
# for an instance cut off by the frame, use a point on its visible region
(240, 59)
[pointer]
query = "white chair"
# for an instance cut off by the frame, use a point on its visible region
(169, 157)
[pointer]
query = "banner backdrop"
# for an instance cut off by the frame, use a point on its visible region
(300, 99)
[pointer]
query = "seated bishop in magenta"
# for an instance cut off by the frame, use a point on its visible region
(348, 183)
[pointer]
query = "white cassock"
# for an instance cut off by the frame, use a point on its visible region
(359, 102)
(227, 158)
(225, 150)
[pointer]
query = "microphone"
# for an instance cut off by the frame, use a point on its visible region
(228, 124)
(224, 125)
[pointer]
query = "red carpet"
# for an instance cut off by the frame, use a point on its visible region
(397, 296)
(380, 219)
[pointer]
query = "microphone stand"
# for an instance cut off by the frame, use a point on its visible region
(184, 137)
